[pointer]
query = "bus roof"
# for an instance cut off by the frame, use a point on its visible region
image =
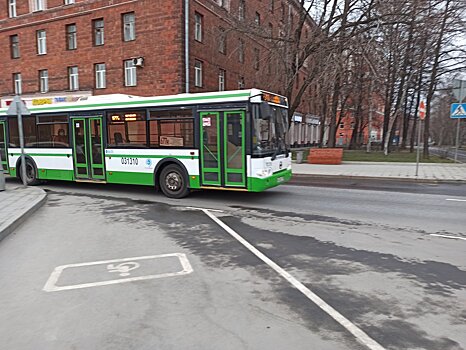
(116, 101)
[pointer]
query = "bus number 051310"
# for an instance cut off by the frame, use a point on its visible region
(129, 161)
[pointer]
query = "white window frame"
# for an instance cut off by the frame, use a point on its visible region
(17, 83)
(129, 26)
(71, 37)
(41, 42)
(100, 75)
(241, 10)
(69, 2)
(38, 5)
(99, 32)
(73, 77)
(198, 73)
(198, 19)
(14, 46)
(44, 80)
(241, 83)
(241, 51)
(131, 78)
(221, 79)
(12, 8)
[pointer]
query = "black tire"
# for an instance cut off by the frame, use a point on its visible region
(174, 182)
(31, 173)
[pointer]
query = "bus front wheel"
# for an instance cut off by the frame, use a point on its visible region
(173, 182)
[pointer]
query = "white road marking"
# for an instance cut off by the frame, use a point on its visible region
(352, 328)
(50, 285)
(456, 200)
(446, 236)
(196, 208)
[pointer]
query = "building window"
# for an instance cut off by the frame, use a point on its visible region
(17, 83)
(256, 58)
(38, 5)
(283, 12)
(221, 80)
(73, 77)
(241, 83)
(130, 73)
(100, 73)
(222, 42)
(241, 10)
(271, 5)
(11, 8)
(69, 2)
(129, 26)
(241, 51)
(14, 46)
(41, 42)
(197, 73)
(198, 27)
(71, 38)
(98, 28)
(44, 80)
(257, 19)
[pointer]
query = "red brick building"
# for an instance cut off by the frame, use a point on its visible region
(61, 50)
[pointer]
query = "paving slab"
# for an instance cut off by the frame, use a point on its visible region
(439, 172)
(16, 205)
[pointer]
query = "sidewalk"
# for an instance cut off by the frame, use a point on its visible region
(16, 205)
(438, 172)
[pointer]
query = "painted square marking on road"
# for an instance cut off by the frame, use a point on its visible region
(103, 273)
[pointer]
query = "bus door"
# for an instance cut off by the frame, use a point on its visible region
(223, 157)
(3, 146)
(88, 148)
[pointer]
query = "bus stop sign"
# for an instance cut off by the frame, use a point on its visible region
(18, 106)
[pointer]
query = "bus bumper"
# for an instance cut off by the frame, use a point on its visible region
(261, 184)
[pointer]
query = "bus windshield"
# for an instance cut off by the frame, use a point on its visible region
(270, 128)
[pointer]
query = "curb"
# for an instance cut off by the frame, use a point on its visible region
(17, 221)
(355, 177)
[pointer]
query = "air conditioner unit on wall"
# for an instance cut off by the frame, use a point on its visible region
(138, 61)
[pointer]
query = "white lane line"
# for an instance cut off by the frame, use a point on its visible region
(456, 200)
(342, 320)
(446, 236)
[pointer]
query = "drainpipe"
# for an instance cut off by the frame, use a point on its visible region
(186, 44)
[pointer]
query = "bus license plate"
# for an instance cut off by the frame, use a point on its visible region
(280, 179)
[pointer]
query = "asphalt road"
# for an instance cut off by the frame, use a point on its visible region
(389, 257)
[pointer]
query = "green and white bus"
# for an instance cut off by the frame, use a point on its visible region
(231, 140)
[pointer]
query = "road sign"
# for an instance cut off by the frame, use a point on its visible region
(458, 110)
(459, 89)
(422, 110)
(17, 105)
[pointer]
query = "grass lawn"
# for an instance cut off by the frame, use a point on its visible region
(399, 156)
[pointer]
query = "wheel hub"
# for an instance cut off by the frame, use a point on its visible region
(173, 181)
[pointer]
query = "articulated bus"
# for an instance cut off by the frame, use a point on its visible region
(231, 140)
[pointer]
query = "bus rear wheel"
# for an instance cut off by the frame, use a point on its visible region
(31, 173)
(173, 182)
